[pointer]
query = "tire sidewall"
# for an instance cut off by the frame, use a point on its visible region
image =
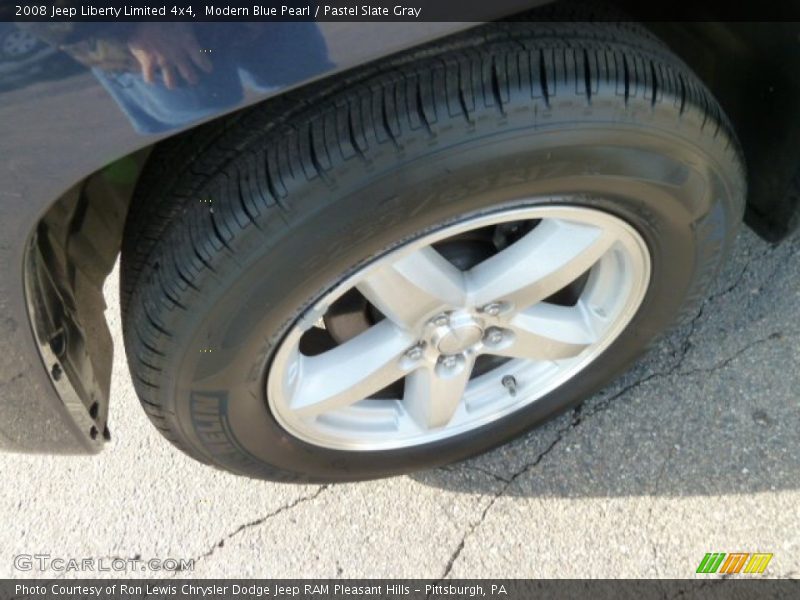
(674, 188)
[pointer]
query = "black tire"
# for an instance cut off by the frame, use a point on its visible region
(303, 190)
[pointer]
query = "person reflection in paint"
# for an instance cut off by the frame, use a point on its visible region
(166, 75)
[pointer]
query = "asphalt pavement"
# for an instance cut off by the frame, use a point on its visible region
(695, 450)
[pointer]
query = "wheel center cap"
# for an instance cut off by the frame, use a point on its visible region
(458, 337)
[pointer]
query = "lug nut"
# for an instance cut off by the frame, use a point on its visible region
(415, 352)
(493, 309)
(494, 336)
(440, 321)
(449, 362)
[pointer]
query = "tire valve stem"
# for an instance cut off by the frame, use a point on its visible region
(510, 384)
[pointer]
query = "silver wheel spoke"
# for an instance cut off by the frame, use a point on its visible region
(548, 332)
(414, 287)
(434, 393)
(544, 261)
(352, 371)
(440, 319)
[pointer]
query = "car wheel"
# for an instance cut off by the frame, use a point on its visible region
(425, 258)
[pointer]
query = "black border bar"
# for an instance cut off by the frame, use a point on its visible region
(396, 10)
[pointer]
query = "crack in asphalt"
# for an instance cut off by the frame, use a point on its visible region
(687, 344)
(508, 482)
(258, 522)
(488, 472)
(579, 415)
(240, 529)
(675, 369)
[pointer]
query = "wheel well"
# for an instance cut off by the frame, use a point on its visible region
(753, 70)
(69, 256)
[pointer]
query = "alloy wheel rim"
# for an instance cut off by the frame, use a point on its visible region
(437, 320)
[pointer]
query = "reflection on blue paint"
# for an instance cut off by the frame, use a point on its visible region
(166, 75)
